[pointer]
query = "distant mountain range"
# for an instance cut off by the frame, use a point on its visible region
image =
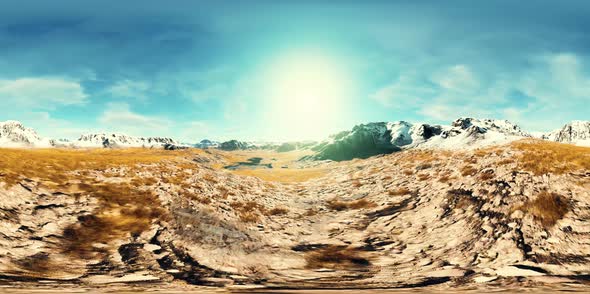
(362, 141)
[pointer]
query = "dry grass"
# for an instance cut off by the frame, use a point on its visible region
(344, 205)
(547, 208)
(336, 257)
(248, 211)
(311, 212)
(283, 175)
(487, 175)
(423, 177)
(444, 178)
(468, 170)
(543, 157)
(399, 192)
(278, 211)
(58, 165)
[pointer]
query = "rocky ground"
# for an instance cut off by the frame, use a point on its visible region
(508, 216)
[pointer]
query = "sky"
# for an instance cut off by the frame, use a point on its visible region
(289, 70)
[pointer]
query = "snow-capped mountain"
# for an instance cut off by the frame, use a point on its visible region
(14, 134)
(206, 143)
(474, 133)
(120, 140)
(576, 132)
(385, 137)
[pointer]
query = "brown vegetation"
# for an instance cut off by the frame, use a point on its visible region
(249, 211)
(343, 205)
(468, 170)
(423, 177)
(487, 175)
(399, 192)
(278, 211)
(336, 257)
(547, 208)
(542, 157)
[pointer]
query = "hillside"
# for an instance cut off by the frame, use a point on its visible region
(505, 215)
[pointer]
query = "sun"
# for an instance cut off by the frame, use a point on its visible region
(306, 95)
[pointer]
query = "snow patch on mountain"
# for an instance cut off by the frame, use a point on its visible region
(385, 137)
(206, 143)
(468, 133)
(115, 140)
(576, 132)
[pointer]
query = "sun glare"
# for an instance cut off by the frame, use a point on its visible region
(306, 92)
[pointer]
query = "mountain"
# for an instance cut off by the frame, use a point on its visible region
(232, 145)
(15, 135)
(576, 132)
(204, 144)
(366, 140)
(120, 140)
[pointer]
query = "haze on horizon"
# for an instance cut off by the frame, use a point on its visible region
(268, 70)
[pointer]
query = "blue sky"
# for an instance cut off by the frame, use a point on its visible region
(208, 69)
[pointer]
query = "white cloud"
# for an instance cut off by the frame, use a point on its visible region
(211, 92)
(459, 78)
(555, 89)
(129, 89)
(195, 131)
(42, 93)
(558, 80)
(119, 118)
(402, 92)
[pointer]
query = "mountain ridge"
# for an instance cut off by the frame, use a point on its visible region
(371, 138)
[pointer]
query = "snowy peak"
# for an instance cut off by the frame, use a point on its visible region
(576, 132)
(15, 134)
(501, 126)
(120, 140)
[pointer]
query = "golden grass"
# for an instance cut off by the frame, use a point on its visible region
(283, 175)
(543, 157)
(53, 165)
(547, 208)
